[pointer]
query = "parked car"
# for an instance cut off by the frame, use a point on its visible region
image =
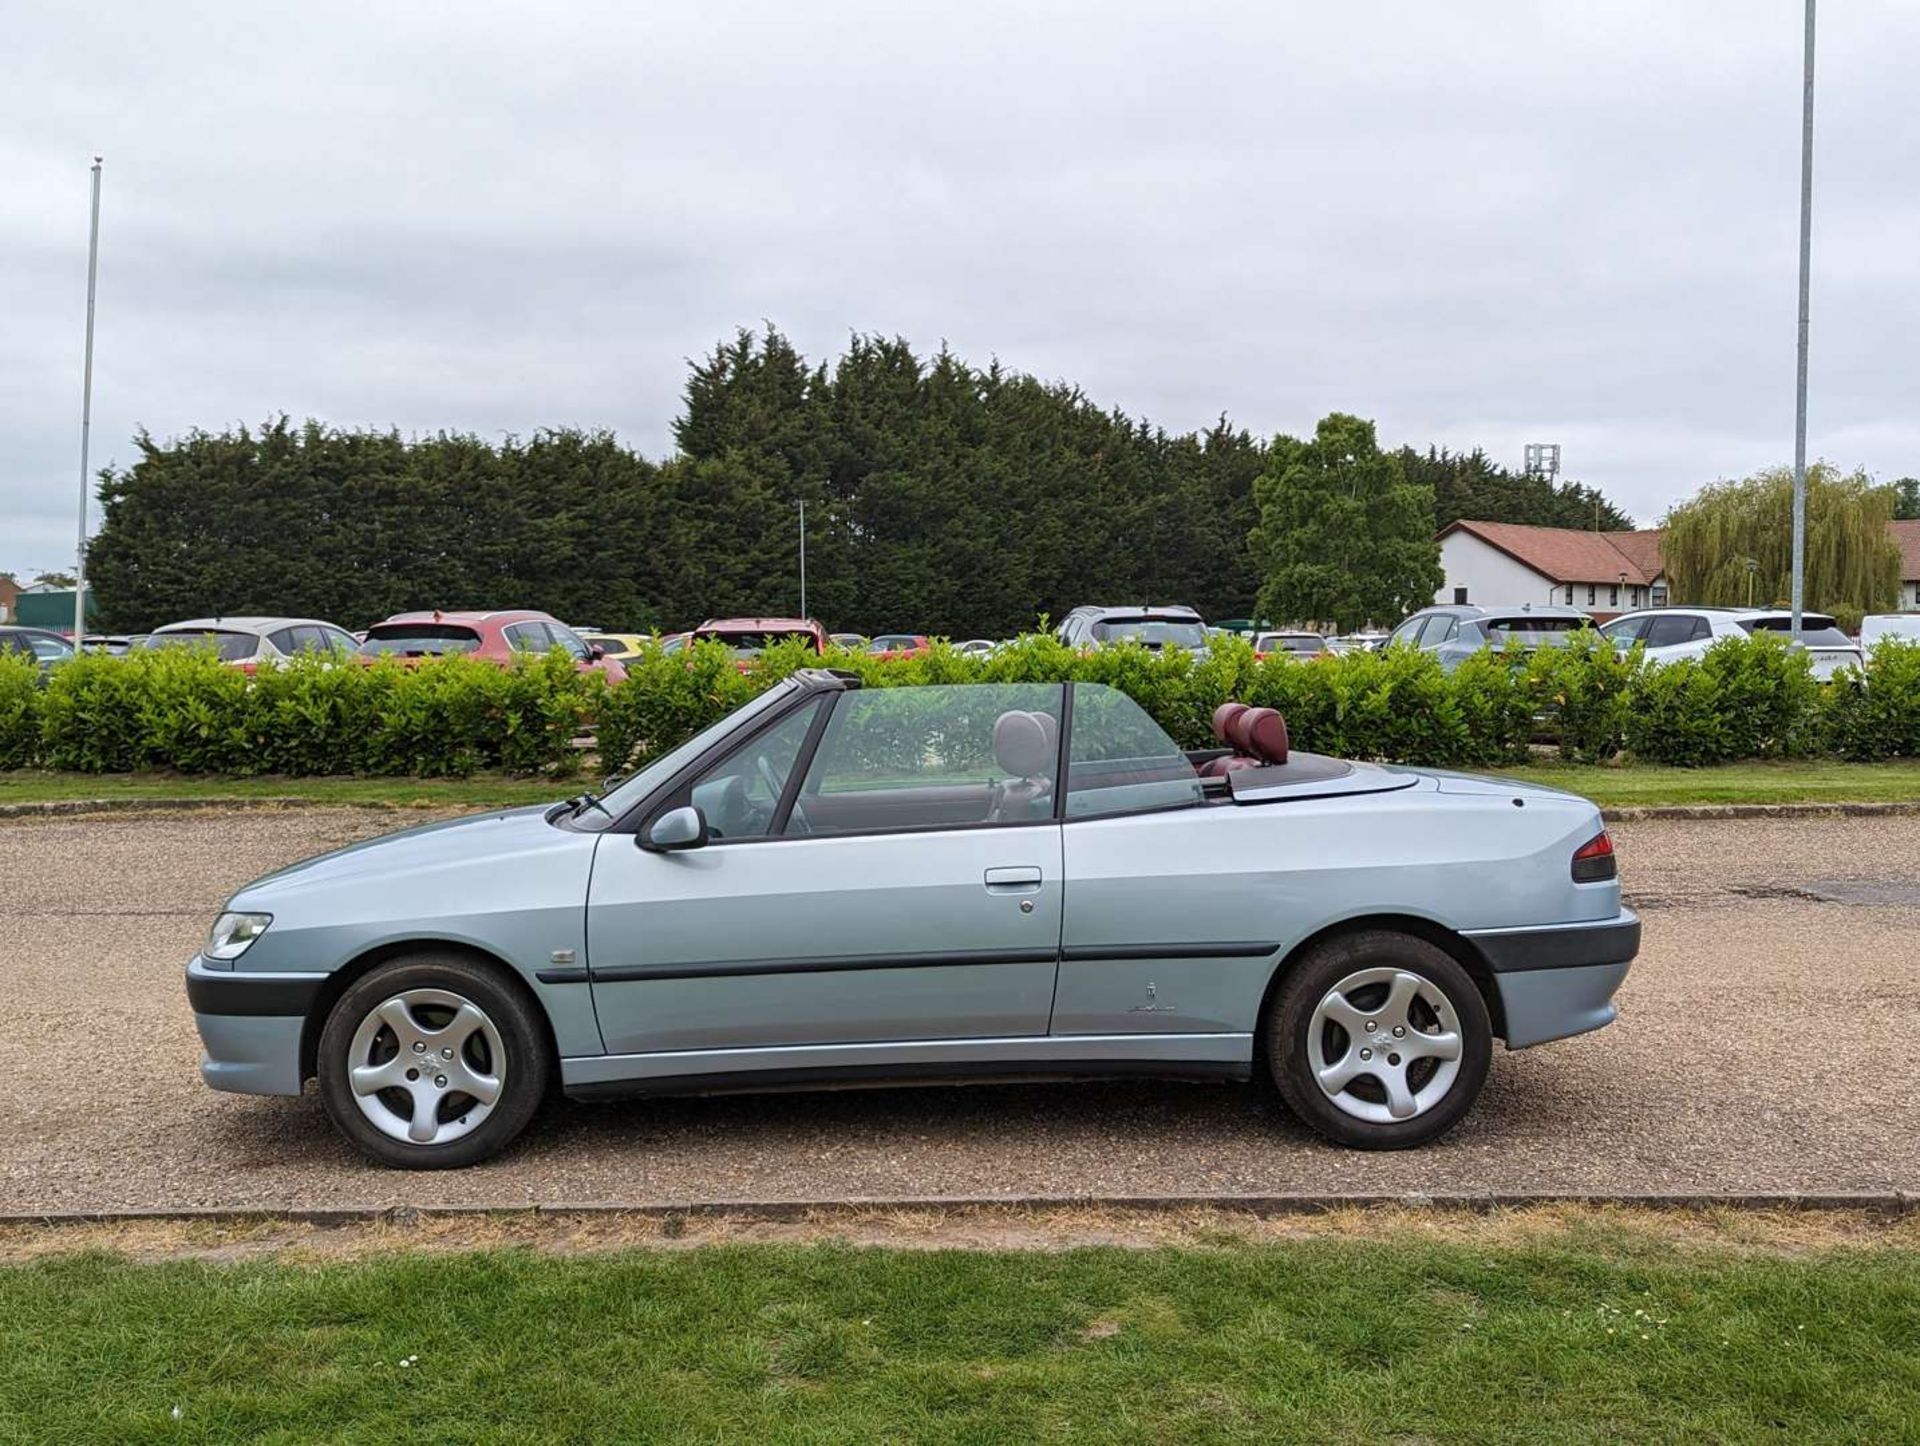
(1905, 627)
(43, 647)
(1303, 646)
(1151, 627)
(838, 883)
(618, 646)
(1358, 642)
(852, 642)
(247, 642)
(114, 645)
(747, 638)
(1454, 632)
(1672, 633)
(674, 642)
(899, 645)
(495, 637)
(976, 647)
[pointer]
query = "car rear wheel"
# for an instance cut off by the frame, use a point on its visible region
(431, 1062)
(1379, 1040)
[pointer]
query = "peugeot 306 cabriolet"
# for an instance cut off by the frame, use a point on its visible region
(938, 883)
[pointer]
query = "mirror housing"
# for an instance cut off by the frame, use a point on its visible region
(676, 829)
(595, 652)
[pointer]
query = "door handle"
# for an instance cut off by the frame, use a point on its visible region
(1023, 880)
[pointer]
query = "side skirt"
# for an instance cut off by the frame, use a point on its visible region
(935, 1061)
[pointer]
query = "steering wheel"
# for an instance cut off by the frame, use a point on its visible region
(774, 784)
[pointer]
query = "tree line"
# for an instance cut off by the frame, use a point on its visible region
(940, 497)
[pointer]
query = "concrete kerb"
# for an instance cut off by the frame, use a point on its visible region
(1888, 1203)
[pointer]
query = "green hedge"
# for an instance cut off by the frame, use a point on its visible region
(188, 712)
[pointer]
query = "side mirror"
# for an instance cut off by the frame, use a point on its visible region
(596, 652)
(677, 828)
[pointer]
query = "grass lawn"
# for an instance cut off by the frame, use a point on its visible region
(1610, 785)
(1623, 785)
(1582, 1338)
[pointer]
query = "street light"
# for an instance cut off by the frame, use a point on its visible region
(1800, 384)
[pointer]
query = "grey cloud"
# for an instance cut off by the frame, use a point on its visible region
(1484, 223)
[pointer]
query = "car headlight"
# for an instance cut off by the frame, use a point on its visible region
(233, 933)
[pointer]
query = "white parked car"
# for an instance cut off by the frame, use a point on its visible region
(248, 642)
(1299, 646)
(1670, 634)
(1901, 627)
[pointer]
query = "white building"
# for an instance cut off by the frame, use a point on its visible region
(1503, 564)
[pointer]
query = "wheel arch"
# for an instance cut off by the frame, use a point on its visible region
(358, 967)
(1463, 951)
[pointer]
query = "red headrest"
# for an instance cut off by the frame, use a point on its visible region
(1223, 717)
(1261, 732)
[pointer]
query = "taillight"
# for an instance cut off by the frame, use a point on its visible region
(1593, 860)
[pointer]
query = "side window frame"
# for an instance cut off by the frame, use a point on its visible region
(1064, 773)
(679, 792)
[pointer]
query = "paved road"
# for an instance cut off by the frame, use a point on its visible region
(1768, 1043)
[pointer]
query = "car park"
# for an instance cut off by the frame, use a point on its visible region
(45, 648)
(1300, 646)
(836, 884)
(494, 637)
(899, 645)
(247, 642)
(1454, 632)
(1152, 628)
(1670, 634)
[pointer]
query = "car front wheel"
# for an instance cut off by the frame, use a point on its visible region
(432, 1062)
(1379, 1040)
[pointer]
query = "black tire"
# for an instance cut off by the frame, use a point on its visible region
(1313, 977)
(523, 1072)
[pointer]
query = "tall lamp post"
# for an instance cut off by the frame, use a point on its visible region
(1800, 388)
(803, 557)
(86, 417)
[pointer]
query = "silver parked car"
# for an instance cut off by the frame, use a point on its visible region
(1153, 628)
(837, 883)
(1454, 632)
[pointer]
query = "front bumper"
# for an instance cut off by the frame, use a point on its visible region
(1559, 980)
(250, 1025)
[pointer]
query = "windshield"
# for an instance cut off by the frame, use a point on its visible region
(231, 647)
(747, 645)
(1531, 630)
(1304, 643)
(664, 767)
(419, 639)
(1151, 632)
(1816, 631)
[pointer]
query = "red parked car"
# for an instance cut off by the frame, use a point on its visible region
(747, 638)
(495, 636)
(899, 645)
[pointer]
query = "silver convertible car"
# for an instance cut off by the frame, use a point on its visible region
(940, 883)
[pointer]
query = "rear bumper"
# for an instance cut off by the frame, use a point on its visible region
(1558, 981)
(250, 1026)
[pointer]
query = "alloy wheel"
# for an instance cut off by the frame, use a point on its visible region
(1384, 1045)
(426, 1066)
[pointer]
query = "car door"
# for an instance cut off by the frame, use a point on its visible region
(876, 871)
(1162, 935)
(1671, 636)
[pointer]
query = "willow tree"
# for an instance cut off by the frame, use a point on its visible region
(1735, 541)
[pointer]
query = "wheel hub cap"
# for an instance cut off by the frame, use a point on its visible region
(1384, 1045)
(426, 1066)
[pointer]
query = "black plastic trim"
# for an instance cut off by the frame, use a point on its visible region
(253, 993)
(1574, 947)
(562, 976)
(824, 964)
(1247, 949)
(907, 1076)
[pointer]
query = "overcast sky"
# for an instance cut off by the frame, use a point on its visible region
(1478, 223)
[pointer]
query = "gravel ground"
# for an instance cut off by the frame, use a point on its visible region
(1766, 1045)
